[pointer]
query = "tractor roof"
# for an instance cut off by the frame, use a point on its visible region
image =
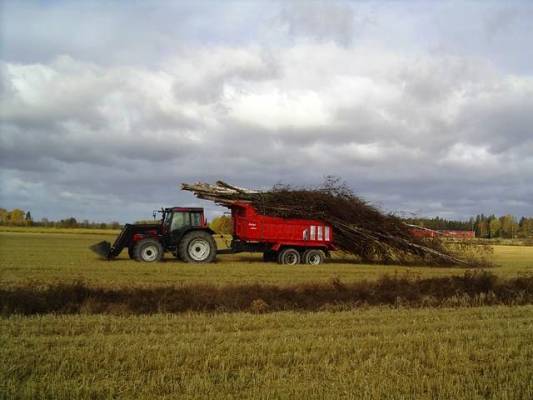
(185, 209)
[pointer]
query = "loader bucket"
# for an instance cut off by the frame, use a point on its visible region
(103, 249)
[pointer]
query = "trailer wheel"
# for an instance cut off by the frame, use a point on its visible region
(197, 247)
(148, 250)
(313, 257)
(289, 256)
(270, 256)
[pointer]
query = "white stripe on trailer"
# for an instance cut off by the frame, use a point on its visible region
(319, 232)
(312, 228)
(326, 234)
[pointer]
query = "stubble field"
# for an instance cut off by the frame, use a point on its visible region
(37, 258)
(360, 351)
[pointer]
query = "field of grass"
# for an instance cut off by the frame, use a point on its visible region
(370, 352)
(37, 259)
(377, 353)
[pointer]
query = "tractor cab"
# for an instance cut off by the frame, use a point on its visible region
(181, 218)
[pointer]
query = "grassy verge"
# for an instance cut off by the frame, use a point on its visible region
(472, 353)
(473, 289)
(505, 242)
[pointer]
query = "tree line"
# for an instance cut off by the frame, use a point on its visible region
(491, 226)
(18, 217)
(485, 226)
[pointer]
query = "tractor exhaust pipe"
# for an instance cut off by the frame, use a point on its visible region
(103, 249)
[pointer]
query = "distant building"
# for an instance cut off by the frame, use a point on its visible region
(459, 234)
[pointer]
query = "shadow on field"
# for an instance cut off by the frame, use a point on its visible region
(474, 288)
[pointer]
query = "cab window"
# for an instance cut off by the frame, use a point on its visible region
(179, 220)
(196, 219)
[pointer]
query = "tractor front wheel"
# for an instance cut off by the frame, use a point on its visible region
(148, 250)
(197, 247)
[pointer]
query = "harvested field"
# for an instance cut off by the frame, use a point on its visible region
(44, 259)
(426, 347)
(57, 273)
(376, 353)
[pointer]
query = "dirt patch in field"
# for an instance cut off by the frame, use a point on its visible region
(474, 288)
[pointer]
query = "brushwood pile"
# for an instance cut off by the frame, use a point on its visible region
(359, 228)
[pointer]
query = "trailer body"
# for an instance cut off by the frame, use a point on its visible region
(255, 232)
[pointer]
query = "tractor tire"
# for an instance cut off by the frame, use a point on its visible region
(313, 257)
(131, 253)
(148, 250)
(197, 247)
(270, 256)
(289, 256)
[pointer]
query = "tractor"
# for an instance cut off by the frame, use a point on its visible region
(182, 231)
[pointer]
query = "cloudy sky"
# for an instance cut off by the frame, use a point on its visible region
(423, 108)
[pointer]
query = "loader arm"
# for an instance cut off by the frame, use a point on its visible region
(124, 239)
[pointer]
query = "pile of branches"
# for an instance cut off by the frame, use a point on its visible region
(359, 228)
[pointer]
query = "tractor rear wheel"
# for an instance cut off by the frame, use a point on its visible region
(197, 247)
(148, 250)
(313, 257)
(289, 256)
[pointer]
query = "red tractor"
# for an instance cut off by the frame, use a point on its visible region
(184, 233)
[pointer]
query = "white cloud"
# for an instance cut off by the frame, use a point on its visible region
(464, 155)
(276, 110)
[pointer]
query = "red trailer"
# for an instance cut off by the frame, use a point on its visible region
(286, 240)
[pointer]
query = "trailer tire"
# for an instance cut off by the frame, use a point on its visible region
(289, 256)
(270, 256)
(148, 250)
(197, 247)
(313, 257)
